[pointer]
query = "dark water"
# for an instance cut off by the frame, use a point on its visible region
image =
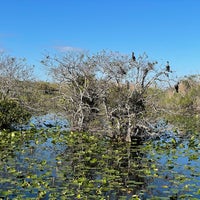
(46, 121)
(54, 164)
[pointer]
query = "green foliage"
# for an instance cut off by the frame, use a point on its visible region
(12, 113)
(182, 108)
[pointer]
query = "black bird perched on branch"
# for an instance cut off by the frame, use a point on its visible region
(133, 56)
(176, 87)
(168, 67)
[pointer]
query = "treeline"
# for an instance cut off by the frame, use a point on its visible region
(116, 95)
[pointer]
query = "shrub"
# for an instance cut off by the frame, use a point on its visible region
(12, 113)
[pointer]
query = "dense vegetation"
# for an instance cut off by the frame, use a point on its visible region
(12, 114)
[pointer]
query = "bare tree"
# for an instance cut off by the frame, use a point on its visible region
(79, 94)
(128, 81)
(108, 89)
(14, 76)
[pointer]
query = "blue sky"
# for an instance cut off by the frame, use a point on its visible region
(164, 29)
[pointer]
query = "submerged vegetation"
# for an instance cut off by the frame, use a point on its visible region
(49, 164)
(133, 129)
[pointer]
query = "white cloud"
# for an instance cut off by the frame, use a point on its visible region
(64, 49)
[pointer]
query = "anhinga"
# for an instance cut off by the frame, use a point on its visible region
(176, 87)
(168, 67)
(133, 56)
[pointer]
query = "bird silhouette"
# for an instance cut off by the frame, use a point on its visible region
(168, 67)
(133, 56)
(177, 87)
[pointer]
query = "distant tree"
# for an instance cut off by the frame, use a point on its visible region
(14, 76)
(183, 107)
(15, 79)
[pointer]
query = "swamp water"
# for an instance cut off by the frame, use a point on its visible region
(54, 164)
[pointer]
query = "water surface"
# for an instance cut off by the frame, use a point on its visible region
(55, 164)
